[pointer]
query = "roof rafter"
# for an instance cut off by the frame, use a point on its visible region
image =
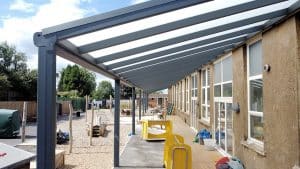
(191, 36)
(177, 25)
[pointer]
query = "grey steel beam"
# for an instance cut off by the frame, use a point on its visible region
(178, 24)
(179, 64)
(46, 99)
(155, 79)
(191, 36)
(198, 51)
(68, 51)
(185, 47)
(133, 111)
(164, 72)
(140, 105)
(161, 79)
(117, 17)
(168, 62)
(117, 124)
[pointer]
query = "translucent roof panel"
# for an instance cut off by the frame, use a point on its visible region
(199, 47)
(185, 43)
(154, 21)
(187, 30)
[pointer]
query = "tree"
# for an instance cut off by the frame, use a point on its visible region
(104, 90)
(14, 75)
(77, 78)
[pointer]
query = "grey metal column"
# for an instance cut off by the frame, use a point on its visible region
(133, 111)
(143, 102)
(46, 99)
(145, 108)
(147, 101)
(140, 105)
(117, 124)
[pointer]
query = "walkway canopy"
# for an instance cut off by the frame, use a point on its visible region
(149, 46)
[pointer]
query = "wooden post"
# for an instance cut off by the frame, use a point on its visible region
(110, 105)
(92, 123)
(70, 127)
(86, 106)
(24, 118)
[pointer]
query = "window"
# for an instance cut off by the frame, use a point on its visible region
(205, 101)
(194, 94)
(223, 78)
(183, 95)
(187, 94)
(255, 93)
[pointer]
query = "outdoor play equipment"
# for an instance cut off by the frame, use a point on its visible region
(177, 155)
(9, 123)
(149, 132)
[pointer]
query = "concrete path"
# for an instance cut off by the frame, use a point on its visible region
(201, 158)
(142, 154)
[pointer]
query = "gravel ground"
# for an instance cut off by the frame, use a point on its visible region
(100, 154)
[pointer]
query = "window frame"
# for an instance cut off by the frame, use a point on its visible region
(217, 98)
(250, 112)
(187, 94)
(205, 103)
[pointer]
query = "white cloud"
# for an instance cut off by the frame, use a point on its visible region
(19, 30)
(22, 5)
(137, 1)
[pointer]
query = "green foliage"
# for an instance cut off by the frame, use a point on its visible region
(14, 75)
(104, 90)
(78, 103)
(77, 78)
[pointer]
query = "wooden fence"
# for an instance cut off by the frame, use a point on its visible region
(18, 105)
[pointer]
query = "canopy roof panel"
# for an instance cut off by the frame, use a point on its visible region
(154, 44)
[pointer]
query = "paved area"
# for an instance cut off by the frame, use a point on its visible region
(148, 155)
(202, 159)
(30, 135)
(142, 154)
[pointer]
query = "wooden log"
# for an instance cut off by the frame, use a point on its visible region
(24, 118)
(91, 126)
(110, 103)
(86, 106)
(70, 128)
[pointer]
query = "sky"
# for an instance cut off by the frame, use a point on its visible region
(19, 19)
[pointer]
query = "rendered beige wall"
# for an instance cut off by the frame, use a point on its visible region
(281, 100)
(280, 51)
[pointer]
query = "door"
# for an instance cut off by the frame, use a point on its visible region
(223, 126)
(194, 99)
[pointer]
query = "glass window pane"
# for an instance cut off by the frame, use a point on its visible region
(204, 78)
(196, 81)
(229, 127)
(217, 91)
(256, 95)
(208, 76)
(217, 73)
(208, 112)
(203, 96)
(227, 69)
(256, 127)
(208, 96)
(255, 59)
(227, 90)
(203, 112)
(196, 92)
